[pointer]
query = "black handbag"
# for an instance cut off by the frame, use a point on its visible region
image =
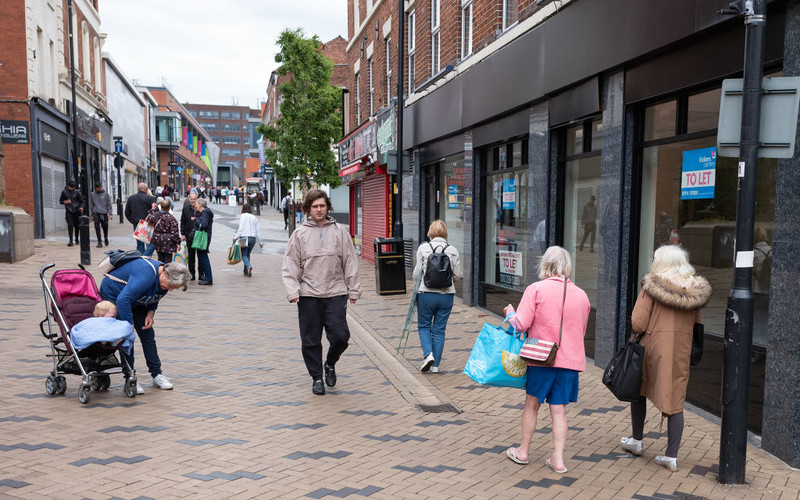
(697, 344)
(623, 374)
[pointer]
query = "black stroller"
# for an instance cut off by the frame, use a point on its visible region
(69, 299)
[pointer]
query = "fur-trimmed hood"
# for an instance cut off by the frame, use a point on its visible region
(677, 292)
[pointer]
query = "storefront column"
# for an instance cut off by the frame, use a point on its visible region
(612, 240)
(781, 413)
(538, 166)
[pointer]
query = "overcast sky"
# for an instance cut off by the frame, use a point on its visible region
(211, 51)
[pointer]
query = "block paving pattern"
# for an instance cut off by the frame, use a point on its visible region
(242, 422)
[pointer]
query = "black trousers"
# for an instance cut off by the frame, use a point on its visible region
(192, 256)
(285, 218)
(314, 315)
(73, 225)
(100, 221)
(590, 229)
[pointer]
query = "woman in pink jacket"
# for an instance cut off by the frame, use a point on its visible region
(539, 315)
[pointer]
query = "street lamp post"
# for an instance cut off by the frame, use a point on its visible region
(398, 222)
(118, 163)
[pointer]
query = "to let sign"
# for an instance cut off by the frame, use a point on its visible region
(15, 132)
(699, 173)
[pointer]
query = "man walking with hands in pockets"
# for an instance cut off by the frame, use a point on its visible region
(320, 273)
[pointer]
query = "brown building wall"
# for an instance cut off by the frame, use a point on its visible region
(97, 81)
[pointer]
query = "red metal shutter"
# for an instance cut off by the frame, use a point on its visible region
(374, 205)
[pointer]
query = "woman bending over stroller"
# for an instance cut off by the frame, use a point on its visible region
(136, 288)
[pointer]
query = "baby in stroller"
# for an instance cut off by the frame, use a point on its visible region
(103, 328)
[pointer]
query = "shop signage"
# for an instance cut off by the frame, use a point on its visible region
(358, 145)
(15, 132)
(699, 173)
(385, 135)
(509, 194)
(54, 142)
(510, 267)
(452, 196)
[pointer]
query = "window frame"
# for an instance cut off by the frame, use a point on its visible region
(357, 96)
(505, 12)
(466, 30)
(436, 36)
(388, 55)
(412, 49)
(371, 82)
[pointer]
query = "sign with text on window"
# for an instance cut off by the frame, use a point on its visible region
(509, 194)
(699, 173)
(510, 262)
(452, 196)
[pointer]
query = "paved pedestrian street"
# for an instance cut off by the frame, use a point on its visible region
(242, 422)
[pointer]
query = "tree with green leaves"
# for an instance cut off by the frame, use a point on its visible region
(310, 119)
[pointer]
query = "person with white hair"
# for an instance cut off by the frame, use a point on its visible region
(551, 308)
(664, 315)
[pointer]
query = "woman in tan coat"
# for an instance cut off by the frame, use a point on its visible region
(665, 313)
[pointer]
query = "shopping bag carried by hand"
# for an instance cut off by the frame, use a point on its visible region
(494, 359)
(623, 374)
(143, 232)
(181, 255)
(200, 240)
(234, 253)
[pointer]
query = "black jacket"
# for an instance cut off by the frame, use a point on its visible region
(138, 206)
(204, 221)
(187, 224)
(76, 200)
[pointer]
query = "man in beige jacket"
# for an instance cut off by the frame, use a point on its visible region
(320, 273)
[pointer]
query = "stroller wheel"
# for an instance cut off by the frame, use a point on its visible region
(51, 385)
(130, 387)
(61, 383)
(96, 382)
(83, 394)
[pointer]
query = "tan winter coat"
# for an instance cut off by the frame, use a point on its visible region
(666, 310)
(321, 262)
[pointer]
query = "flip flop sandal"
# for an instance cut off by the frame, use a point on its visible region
(512, 454)
(562, 471)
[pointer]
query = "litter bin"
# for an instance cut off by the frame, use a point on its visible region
(390, 272)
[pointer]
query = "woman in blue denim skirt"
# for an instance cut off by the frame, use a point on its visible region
(434, 303)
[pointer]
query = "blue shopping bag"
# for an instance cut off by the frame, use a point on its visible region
(494, 359)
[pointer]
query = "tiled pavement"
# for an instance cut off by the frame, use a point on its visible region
(242, 422)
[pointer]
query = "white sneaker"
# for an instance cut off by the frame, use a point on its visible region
(668, 463)
(139, 389)
(631, 445)
(427, 363)
(162, 382)
(434, 369)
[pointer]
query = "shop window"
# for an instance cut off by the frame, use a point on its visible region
(504, 272)
(689, 197)
(659, 120)
(357, 207)
(580, 212)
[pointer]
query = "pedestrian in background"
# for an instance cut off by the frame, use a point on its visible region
(544, 305)
(188, 215)
(320, 273)
(204, 221)
(434, 304)
(100, 208)
(166, 237)
(248, 228)
(137, 208)
(72, 199)
(287, 204)
(665, 312)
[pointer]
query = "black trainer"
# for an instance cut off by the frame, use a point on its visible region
(318, 388)
(330, 375)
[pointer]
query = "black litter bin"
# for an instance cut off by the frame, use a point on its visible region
(390, 272)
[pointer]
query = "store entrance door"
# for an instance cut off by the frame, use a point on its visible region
(432, 190)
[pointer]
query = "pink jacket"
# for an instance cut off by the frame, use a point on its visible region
(539, 315)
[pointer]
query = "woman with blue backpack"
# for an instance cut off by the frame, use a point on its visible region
(439, 263)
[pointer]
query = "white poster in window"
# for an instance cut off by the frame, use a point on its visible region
(510, 262)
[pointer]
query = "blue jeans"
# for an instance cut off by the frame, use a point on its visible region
(205, 265)
(147, 337)
(251, 244)
(433, 311)
(145, 249)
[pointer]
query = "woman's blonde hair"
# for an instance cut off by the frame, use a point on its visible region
(103, 307)
(438, 229)
(556, 261)
(671, 259)
(164, 205)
